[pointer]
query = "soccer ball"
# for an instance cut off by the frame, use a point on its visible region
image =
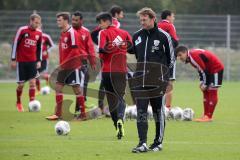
(188, 114)
(176, 113)
(45, 90)
(62, 128)
(34, 106)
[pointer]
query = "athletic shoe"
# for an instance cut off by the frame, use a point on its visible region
(52, 118)
(19, 107)
(141, 148)
(120, 129)
(155, 147)
(205, 118)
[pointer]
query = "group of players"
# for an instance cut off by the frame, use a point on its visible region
(155, 47)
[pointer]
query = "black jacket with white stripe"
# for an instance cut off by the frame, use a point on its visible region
(154, 45)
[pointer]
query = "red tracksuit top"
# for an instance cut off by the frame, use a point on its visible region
(86, 46)
(27, 45)
(206, 62)
(169, 28)
(115, 42)
(47, 44)
(69, 55)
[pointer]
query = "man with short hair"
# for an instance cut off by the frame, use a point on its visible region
(117, 14)
(26, 57)
(154, 52)
(70, 64)
(112, 48)
(210, 69)
(86, 49)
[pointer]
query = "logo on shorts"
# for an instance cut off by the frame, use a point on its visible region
(37, 37)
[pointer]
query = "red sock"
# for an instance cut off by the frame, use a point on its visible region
(46, 77)
(213, 99)
(59, 100)
(38, 84)
(32, 93)
(205, 101)
(81, 102)
(19, 94)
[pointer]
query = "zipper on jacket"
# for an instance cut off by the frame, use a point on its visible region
(145, 59)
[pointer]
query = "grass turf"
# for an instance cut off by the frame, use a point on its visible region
(29, 136)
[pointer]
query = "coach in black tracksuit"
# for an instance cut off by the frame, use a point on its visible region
(155, 58)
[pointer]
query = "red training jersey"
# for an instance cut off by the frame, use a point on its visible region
(47, 44)
(115, 22)
(27, 45)
(169, 28)
(69, 55)
(206, 62)
(86, 46)
(113, 44)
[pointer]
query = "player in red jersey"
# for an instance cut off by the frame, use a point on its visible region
(166, 24)
(70, 64)
(112, 48)
(26, 57)
(117, 14)
(86, 49)
(210, 70)
(47, 45)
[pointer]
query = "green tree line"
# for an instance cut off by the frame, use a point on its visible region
(216, 7)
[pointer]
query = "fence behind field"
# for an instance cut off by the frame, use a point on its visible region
(194, 30)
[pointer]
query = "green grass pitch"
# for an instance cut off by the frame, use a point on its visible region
(29, 136)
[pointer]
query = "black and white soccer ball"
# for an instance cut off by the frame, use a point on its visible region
(34, 106)
(62, 128)
(45, 90)
(188, 114)
(176, 113)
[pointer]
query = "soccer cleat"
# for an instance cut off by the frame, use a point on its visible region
(141, 148)
(52, 118)
(205, 118)
(20, 107)
(120, 129)
(155, 147)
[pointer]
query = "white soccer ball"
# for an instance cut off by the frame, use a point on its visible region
(188, 114)
(34, 106)
(62, 128)
(176, 113)
(45, 90)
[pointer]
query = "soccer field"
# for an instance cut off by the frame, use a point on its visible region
(29, 136)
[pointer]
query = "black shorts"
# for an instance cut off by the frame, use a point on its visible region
(216, 79)
(71, 77)
(44, 66)
(26, 71)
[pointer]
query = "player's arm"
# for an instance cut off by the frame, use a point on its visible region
(39, 51)
(102, 43)
(14, 48)
(173, 34)
(91, 51)
(50, 44)
(169, 51)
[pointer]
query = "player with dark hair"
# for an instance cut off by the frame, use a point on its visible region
(47, 45)
(117, 13)
(112, 48)
(86, 49)
(26, 57)
(210, 69)
(166, 24)
(70, 64)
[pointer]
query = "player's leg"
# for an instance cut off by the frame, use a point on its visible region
(119, 86)
(142, 125)
(101, 95)
(169, 95)
(19, 91)
(32, 89)
(80, 101)
(158, 115)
